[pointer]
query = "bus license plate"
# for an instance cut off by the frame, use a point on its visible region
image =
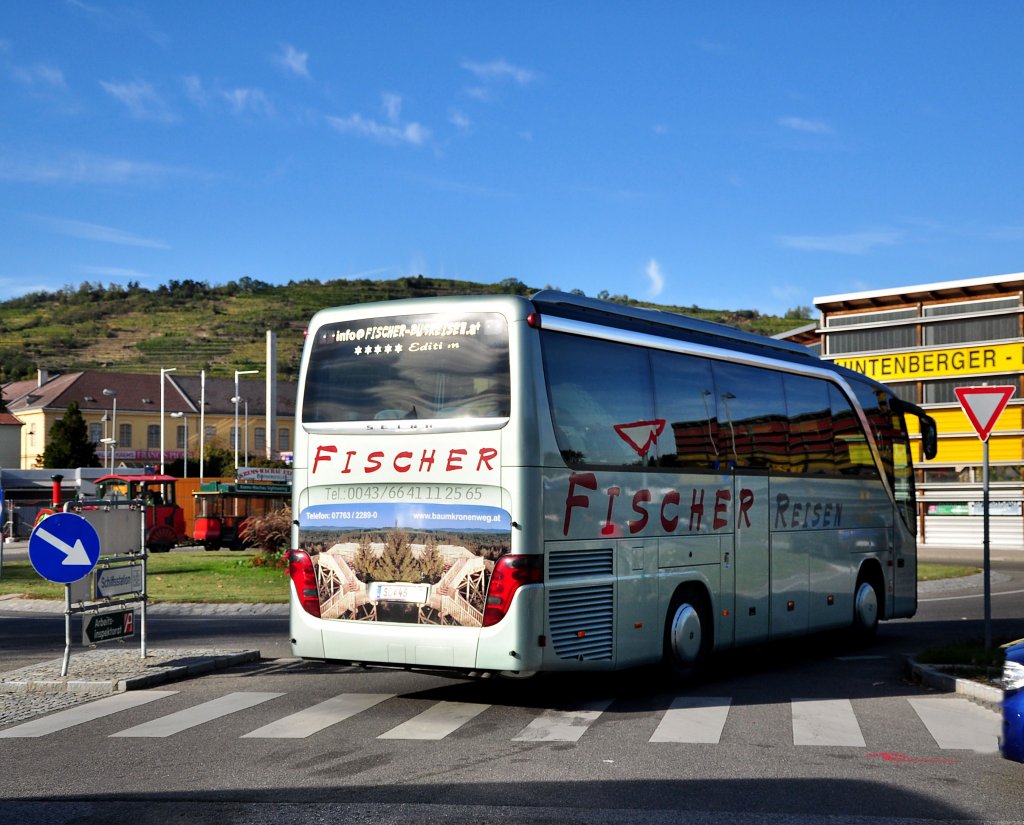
(398, 592)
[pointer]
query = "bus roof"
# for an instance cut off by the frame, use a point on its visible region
(662, 322)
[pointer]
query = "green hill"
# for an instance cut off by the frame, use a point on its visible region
(193, 326)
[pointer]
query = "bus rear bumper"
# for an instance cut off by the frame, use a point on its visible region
(511, 645)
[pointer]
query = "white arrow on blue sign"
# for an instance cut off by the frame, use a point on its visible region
(63, 548)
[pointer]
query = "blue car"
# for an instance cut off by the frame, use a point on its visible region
(1012, 741)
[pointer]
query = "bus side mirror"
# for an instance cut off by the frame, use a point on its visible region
(929, 437)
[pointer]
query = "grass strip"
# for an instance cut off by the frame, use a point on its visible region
(221, 577)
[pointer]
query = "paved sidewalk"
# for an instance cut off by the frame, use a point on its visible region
(39, 688)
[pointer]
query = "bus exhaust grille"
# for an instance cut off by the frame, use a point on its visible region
(582, 625)
(572, 563)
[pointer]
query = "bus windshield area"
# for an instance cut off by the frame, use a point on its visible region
(409, 367)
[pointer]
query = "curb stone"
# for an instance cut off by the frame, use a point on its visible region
(985, 695)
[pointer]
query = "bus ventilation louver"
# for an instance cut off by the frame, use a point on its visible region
(571, 564)
(582, 623)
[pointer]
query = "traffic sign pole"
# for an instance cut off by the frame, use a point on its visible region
(985, 546)
(983, 406)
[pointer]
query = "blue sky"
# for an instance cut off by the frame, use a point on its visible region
(738, 155)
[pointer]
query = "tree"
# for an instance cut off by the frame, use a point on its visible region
(397, 563)
(68, 444)
(431, 562)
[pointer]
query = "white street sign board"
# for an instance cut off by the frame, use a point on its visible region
(983, 406)
(119, 581)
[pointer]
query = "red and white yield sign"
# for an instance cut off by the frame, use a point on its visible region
(983, 406)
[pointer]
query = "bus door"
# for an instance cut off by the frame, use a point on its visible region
(751, 562)
(639, 627)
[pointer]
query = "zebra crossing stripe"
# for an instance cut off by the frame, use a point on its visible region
(694, 720)
(562, 725)
(198, 715)
(825, 722)
(311, 720)
(436, 722)
(84, 713)
(959, 724)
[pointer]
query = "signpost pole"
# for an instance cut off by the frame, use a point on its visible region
(985, 546)
(67, 631)
(983, 405)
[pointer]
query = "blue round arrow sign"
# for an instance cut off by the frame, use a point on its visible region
(63, 548)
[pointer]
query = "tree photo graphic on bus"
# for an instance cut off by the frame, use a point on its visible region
(425, 563)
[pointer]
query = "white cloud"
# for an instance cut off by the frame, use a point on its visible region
(392, 132)
(117, 273)
(854, 243)
(40, 75)
(459, 120)
(803, 124)
(98, 232)
(293, 61)
(195, 90)
(498, 70)
(248, 100)
(392, 106)
(78, 168)
(356, 124)
(656, 278)
(141, 99)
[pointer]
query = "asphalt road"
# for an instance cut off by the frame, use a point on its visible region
(495, 764)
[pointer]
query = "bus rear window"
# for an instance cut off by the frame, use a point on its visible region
(409, 367)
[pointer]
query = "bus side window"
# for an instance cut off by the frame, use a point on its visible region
(853, 454)
(810, 425)
(685, 399)
(752, 413)
(595, 386)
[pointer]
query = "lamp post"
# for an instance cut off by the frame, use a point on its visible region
(184, 419)
(163, 372)
(245, 403)
(236, 399)
(112, 394)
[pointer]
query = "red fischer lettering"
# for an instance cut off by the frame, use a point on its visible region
(588, 480)
(608, 528)
(722, 499)
(487, 455)
(427, 460)
(348, 461)
(636, 525)
(746, 502)
(373, 462)
(455, 460)
(696, 510)
(669, 524)
(323, 453)
(403, 468)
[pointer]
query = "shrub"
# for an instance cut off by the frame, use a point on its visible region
(270, 533)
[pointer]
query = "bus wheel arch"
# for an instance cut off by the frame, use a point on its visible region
(689, 631)
(868, 600)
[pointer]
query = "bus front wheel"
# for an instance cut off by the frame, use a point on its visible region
(688, 633)
(866, 604)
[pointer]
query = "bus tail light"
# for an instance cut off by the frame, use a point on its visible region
(509, 574)
(300, 569)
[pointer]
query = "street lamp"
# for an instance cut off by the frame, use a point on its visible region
(236, 399)
(184, 418)
(163, 372)
(244, 401)
(112, 394)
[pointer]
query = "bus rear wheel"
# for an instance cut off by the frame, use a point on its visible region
(688, 634)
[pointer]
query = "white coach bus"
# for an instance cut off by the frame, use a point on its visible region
(502, 484)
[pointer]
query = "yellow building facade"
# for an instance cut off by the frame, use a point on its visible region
(924, 342)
